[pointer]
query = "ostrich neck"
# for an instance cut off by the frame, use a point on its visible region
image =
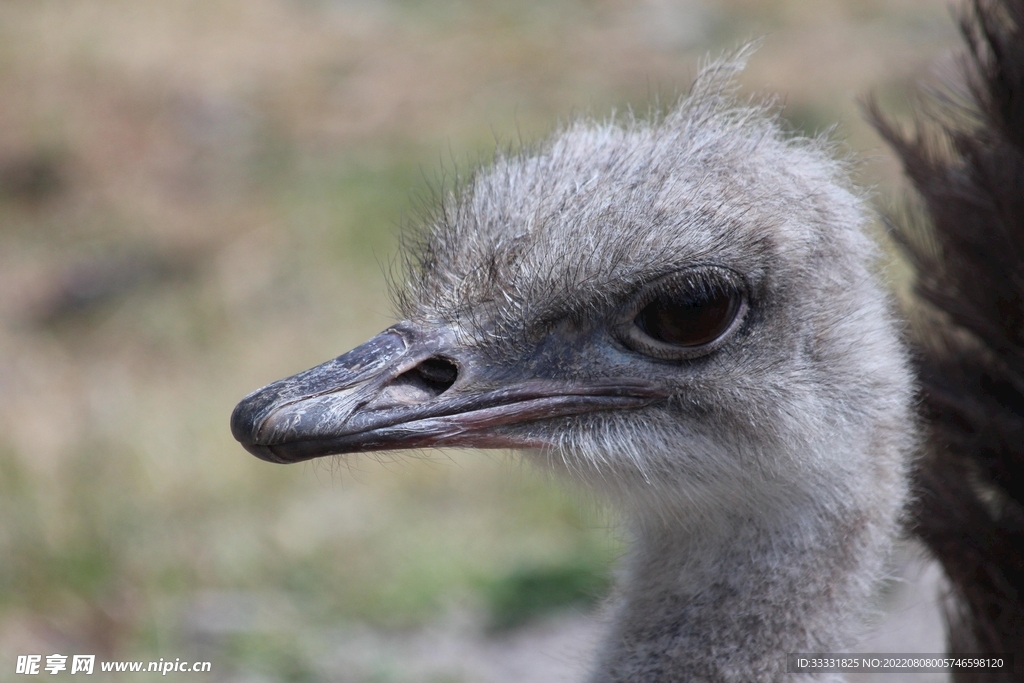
(728, 601)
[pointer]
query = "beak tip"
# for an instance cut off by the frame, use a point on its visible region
(244, 424)
(248, 422)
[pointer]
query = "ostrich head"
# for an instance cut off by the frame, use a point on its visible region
(681, 310)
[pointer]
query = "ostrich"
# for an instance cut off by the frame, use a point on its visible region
(684, 315)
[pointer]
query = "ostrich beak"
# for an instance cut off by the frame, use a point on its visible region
(411, 387)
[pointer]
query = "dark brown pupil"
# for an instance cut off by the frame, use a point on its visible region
(689, 320)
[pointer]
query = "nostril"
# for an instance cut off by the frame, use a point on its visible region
(435, 375)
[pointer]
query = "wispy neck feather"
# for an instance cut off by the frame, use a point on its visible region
(730, 603)
(727, 599)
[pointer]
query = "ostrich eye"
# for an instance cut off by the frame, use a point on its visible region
(689, 320)
(685, 315)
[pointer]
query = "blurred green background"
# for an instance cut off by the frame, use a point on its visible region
(198, 197)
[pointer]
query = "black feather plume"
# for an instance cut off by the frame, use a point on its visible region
(965, 158)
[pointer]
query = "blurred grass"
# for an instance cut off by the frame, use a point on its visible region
(197, 198)
(531, 592)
